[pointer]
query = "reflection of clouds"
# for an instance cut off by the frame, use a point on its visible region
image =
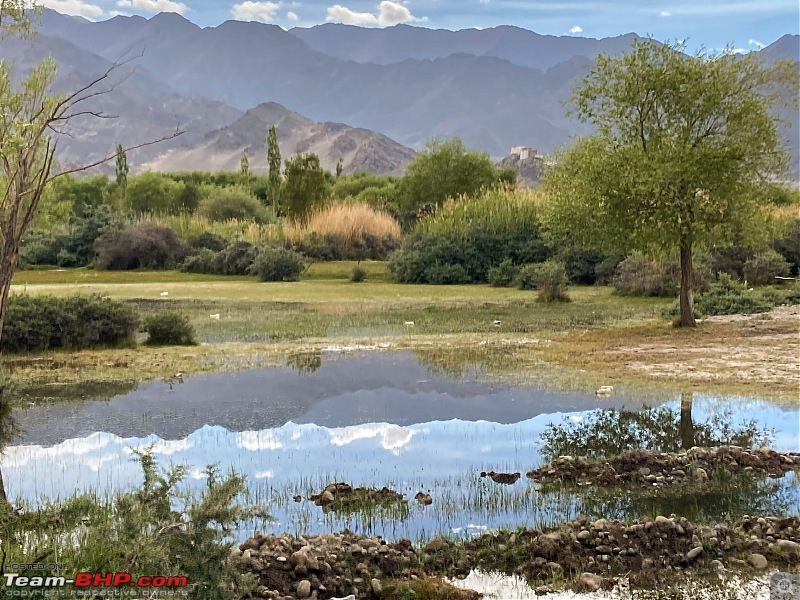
(393, 437)
(264, 475)
(258, 440)
(95, 462)
(17, 456)
(162, 446)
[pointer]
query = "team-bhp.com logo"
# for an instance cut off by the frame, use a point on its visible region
(83, 580)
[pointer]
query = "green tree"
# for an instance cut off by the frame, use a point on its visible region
(122, 168)
(684, 144)
(445, 169)
(244, 168)
(155, 193)
(339, 168)
(274, 163)
(305, 186)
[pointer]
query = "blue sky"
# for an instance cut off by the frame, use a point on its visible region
(746, 24)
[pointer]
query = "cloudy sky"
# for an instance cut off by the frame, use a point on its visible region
(746, 24)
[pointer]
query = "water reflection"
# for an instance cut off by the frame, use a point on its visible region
(379, 420)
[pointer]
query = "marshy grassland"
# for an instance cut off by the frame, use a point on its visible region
(598, 338)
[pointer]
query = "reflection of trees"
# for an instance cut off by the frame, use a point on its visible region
(609, 432)
(8, 430)
(456, 362)
(304, 362)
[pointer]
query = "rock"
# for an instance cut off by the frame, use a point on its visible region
(298, 558)
(590, 582)
(377, 589)
(662, 520)
(758, 561)
(647, 563)
(788, 546)
(716, 565)
(603, 549)
(583, 535)
(435, 545)
(304, 589)
(600, 525)
(326, 498)
(693, 554)
(700, 474)
(644, 471)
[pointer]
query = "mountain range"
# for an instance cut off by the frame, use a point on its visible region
(495, 88)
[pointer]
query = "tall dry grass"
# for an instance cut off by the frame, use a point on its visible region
(347, 221)
(190, 226)
(501, 210)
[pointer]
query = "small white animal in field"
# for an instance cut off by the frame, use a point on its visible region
(165, 293)
(216, 316)
(604, 390)
(408, 323)
(495, 322)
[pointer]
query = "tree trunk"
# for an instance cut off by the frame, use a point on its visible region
(8, 264)
(687, 424)
(687, 285)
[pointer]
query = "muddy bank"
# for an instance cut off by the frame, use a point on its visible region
(647, 551)
(342, 497)
(648, 468)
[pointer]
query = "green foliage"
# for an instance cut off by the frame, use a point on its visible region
(274, 163)
(651, 178)
(358, 274)
(169, 329)
(305, 187)
(764, 267)
(549, 278)
(788, 245)
(504, 274)
(526, 277)
(727, 297)
(244, 168)
(447, 274)
(581, 263)
(232, 203)
(73, 247)
(235, 259)
(277, 264)
(331, 247)
(122, 169)
(445, 169)
(640, 275)
(37, 323)
(154, 193)
(730, 260)
(156, 528)
(475, 233)
(145, 246)
(210, 241)
(604, 270)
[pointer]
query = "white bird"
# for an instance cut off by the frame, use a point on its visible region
(165, 293)
(216, 316)
(495, 322)
(31, 403)
(604, 390)
(408, 323)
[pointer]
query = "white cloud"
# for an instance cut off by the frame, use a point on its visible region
(255, 11)
(154, 6)
(484, 1)
(664, 13)
(257, 440)
(76, 8)
(292, 16)
(576, 29)
(756, 43)
(389, 13)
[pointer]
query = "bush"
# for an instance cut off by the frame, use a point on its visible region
(36, 323)
(549, 278)
(169, 329)
(203, 261)
(504, 274)
(154, 193)
(233, 203)
(604, 271)
(452, 274)
(236, 259)
(788, 246)
(639, 275)
(277, 264)
(145, 246)
(358, 274)
(209, 241)
(727, 297)
(730, 260)
(764, 267)
(581, 264)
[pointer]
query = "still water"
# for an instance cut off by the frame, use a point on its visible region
(373, 419)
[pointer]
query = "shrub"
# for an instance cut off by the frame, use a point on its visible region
(210, 241)
(236, 259)
(233, 203)
(203, 261)
(788, 245)
(525, 277)
(730, 260)
(727, 297)
(504, 274)
(580, 263)
(604, 271)
(764, 267)
(169, 329)
(277, 264)
(153, 192)
(36, 323)
(549, 278)
(793, 294)
(639, 275)
(358, 274)
(145, 246)
(452, 274)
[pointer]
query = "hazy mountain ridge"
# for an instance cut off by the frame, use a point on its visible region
(513, 93)
(359, 149)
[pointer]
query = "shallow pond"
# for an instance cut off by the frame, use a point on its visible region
(371, 419)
